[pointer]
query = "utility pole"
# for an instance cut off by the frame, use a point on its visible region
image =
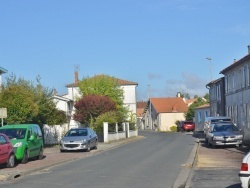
(210, 66)
(150, 118)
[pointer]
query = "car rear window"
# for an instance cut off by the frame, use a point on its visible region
(220, 120)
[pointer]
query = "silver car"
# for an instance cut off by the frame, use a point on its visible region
(79, 139)
(221, 134)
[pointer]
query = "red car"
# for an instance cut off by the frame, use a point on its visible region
(7, 154)
(186, 126)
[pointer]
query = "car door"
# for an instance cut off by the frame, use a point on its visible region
(4, 149)
(31, 143)
(92, 137)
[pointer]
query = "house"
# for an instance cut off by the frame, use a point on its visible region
(140, 106)
(200, 113)
(66, 102)
(217, 97)
(237, 92)
(162, 113)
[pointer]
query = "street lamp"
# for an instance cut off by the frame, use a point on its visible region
(210, 65)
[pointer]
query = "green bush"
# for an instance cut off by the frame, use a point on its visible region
(111, 117)
(173, 128)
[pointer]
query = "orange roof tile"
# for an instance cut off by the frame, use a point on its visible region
(169, 105)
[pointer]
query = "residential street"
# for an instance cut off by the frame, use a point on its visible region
(155, 161)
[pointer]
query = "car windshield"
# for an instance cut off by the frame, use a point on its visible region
(80, 132)
(17, 133)
(221, 128)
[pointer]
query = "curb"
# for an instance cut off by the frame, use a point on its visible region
(17, 174)
(183, 178)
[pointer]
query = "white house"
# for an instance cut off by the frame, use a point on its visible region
(66, 102)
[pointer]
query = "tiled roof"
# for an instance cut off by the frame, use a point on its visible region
(141, 104)
(140, 107)
(139, 112)
(169, 105)
(119, 81)
(203, 106)
(236, 63)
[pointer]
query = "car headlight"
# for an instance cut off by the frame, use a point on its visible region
(18, 144)
(239, 136)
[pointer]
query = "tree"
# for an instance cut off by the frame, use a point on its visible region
(190, 113)
(185, 95)
(206, 96)
(20, 104)
(103, 85)
(89, 107)
(27, 102)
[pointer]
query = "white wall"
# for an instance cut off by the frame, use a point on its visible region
(167, 120)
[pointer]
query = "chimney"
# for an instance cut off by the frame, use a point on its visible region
(248, 49)
(178, 94)
(55, 92)
(76, 77)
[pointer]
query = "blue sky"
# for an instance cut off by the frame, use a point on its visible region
(160, 44)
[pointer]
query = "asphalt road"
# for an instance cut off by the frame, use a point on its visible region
(153, 162)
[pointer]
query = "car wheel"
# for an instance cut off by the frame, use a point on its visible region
(96, 144)
(88, 147)
(11, 161)
(40, 156)
(240, 145)
(25, 157)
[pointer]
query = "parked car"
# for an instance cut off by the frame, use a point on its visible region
(214, 119)
(244, 173)
(26, 139)
(79, 139)
(186, 126)
(221, 134)
(7, 155)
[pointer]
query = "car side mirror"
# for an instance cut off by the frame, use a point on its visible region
(32, 137)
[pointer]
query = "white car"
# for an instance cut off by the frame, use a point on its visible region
(244, 173)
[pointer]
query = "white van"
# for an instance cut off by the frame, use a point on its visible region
(209, 120)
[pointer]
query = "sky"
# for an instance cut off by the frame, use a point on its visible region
(163, 45)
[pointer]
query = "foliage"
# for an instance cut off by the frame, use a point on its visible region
(173, 128)
(90, 107)
(103, 85)
(185, 95)
(111, 117)
(27, 102)
(177, 122)
(190, 113)
(20, 104)
(206, 96)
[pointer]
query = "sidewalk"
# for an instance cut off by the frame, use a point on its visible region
(217, 167)
(53, 157)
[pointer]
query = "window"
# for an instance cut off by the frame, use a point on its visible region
(2, 140)
(199, 117)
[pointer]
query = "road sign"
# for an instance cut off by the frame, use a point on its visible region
(3, 112)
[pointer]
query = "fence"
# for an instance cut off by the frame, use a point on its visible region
(53, 134)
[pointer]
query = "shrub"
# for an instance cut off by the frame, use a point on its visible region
(173, 128)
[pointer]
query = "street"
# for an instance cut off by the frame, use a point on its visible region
(153, 162)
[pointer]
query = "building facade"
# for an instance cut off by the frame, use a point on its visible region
(237, 94)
